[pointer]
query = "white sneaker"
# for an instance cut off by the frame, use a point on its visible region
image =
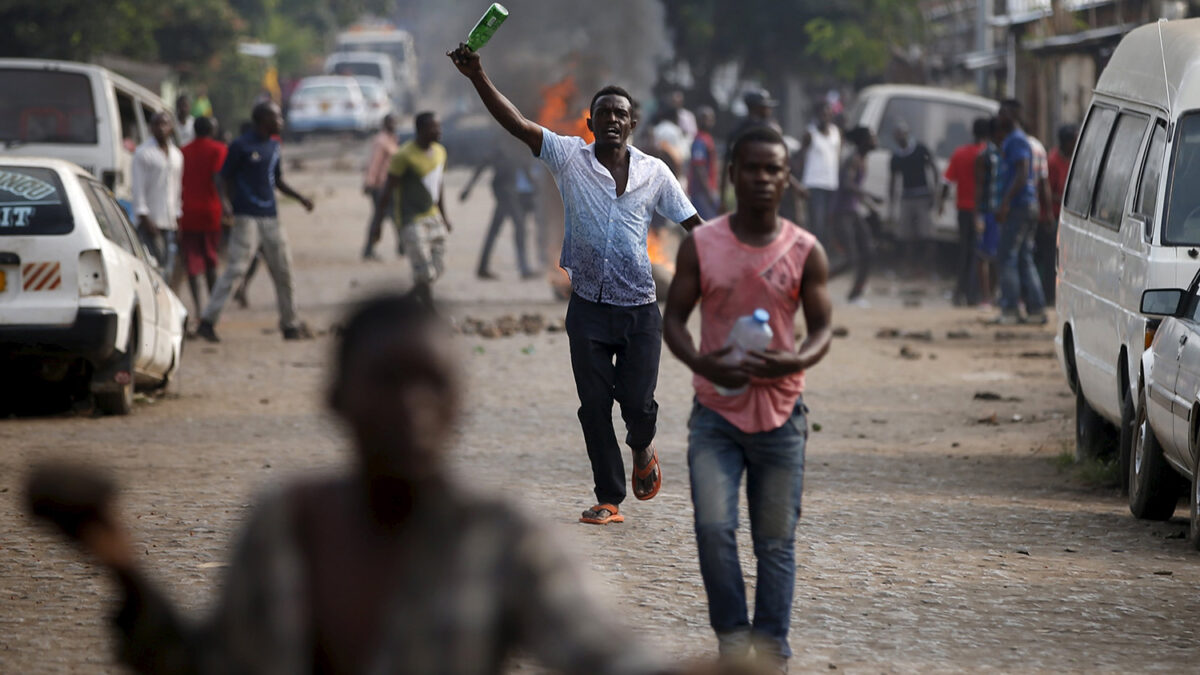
(860, 302)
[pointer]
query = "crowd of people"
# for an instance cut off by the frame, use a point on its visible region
(475, 578)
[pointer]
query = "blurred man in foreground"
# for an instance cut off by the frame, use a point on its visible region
(388, 568)
(751, 259)
(609, 191)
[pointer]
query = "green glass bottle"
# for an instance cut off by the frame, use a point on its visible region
(486, 28)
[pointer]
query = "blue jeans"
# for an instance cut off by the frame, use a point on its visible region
(1018, 275)
(773, 461)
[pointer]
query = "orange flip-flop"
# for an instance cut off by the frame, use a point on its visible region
(644, 472)
(613, 516)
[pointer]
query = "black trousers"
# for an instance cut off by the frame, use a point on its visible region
(967, 288)
(614, 356)
(853, 233)
(508, 207)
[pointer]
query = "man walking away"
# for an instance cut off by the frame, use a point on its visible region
(751, 259)
(383, 148)
(961, 173)
(822, 152)
(414, 192)
(852, 230)
(1017, 216)
(157, 178)
(609, 190)
(912, 165)
(704, 166)
(253, 170)
(1045, 249)
(508, 181)
(200, 227)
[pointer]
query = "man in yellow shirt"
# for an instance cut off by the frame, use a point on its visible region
(414, 190)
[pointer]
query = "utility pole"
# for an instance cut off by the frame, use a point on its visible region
(983, 41)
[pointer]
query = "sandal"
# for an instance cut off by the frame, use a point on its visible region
(603, 514)
(640, 476)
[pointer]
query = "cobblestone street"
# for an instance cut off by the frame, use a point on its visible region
(941, 532)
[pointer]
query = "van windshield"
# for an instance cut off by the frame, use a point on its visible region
(358, 68)
(46, 106)
(1183, 199)
(32, 201)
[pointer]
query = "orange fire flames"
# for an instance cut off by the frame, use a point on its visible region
(656, 247)
(555, 113)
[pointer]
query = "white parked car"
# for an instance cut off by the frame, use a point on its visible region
(1166, 443)
(328, 103)
(378, 103)
(81, 301)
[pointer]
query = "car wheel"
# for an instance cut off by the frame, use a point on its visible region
(1125, 444)
(1153, 484)
(1194, 529)
(1094, 437)
(120, 402)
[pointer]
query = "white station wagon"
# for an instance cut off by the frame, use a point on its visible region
(81, 302)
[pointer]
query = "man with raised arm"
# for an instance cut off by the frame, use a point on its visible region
(609, 191)
(736, 265)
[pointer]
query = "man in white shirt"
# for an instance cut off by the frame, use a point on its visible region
(822, 151)
(157, 192)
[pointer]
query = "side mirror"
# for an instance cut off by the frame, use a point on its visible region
(1162, 301)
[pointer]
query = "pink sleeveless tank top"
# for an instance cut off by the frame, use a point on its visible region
(736, 279)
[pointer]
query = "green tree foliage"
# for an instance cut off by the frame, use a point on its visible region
(847, 39)
(190, 35)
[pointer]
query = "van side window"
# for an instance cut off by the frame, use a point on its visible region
(109, 221)
(1092, 142)
(1108, 207)
(1147, 197)
(131, 133)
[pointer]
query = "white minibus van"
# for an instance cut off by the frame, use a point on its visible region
(79, 112)
(1130, 222)
(941, 119)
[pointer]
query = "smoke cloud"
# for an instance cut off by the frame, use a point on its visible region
(621, 42)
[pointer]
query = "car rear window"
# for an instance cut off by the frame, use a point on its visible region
(32, 201)
(325, 91)
(358, 68)
(46, 106)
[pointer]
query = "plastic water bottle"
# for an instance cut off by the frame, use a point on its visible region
(750, 333)
(486, 28)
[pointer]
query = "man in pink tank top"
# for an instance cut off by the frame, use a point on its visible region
(751, 259)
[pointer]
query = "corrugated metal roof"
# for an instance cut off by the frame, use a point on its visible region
(1136, 67)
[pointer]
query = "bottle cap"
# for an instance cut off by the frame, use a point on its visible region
(762, 315)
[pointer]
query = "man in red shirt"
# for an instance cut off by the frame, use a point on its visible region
(200, 227)
(1045, 250)
(961, 172)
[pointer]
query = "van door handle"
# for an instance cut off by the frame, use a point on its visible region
(1182, 340)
